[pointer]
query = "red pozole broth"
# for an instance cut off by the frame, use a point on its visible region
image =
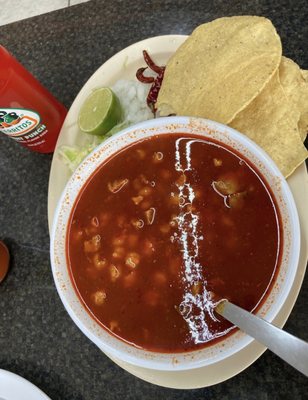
(164, 230)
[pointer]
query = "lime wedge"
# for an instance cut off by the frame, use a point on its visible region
(100, 112)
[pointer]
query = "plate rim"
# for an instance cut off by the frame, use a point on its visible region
(22, 384)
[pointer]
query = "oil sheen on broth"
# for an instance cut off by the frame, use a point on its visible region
(164, 230)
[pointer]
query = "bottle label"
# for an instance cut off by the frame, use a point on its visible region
(21, 124)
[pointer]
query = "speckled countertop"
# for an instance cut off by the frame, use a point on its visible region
(38, 340)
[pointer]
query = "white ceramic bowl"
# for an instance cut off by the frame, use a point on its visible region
(278, 294)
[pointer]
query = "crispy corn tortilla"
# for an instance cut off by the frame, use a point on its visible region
(304, 74)
(296, 89)
(266, 120)
(220, 68)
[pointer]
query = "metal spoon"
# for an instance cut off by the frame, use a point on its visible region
(288, 347)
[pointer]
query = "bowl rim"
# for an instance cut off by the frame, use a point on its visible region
(150, 124)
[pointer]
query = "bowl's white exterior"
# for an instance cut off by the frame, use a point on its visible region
(279, 291)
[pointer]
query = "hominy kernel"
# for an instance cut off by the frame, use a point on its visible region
(164, 228)
(190, 208)
(140, 224)
(99, 263)
(228, 184)
(158, 157)
(114, 273)
(114, 325)
(119, 240)
(181, 201)
(145, 205)
(117, 185)
(148, 247)
(92, 273)
(211, 294)
(237, 200)
(130, 279)
(99, 297)
(196, 288)
(146, 191)
(121, 221)
(160, 278)
(141, 154)
(137, 185)
(104, 218)
(77, 235)
(95, 222)
(132, 260)
(137, 200)
(165, 174)
(150, 215)
(143, 179)
(174, 199)
(90, 230)
(92, 245)
(198, 194)
(173, 222)
(137, 223)
(217, 162)
(118, 253)
(181, 180)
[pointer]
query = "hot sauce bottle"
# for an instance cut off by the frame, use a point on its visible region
(29, 114)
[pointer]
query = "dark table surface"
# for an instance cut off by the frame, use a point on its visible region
(38, 340)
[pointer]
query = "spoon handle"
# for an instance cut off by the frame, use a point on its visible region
(288, 347)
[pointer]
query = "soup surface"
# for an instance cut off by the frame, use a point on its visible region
(163, 231)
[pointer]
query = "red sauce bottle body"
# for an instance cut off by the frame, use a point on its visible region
(29, 114)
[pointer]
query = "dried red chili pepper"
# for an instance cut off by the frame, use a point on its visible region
(142, 78)
(150, 63)
(156, 82)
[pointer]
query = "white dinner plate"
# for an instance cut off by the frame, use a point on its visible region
(124, 65)
(14, 387)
